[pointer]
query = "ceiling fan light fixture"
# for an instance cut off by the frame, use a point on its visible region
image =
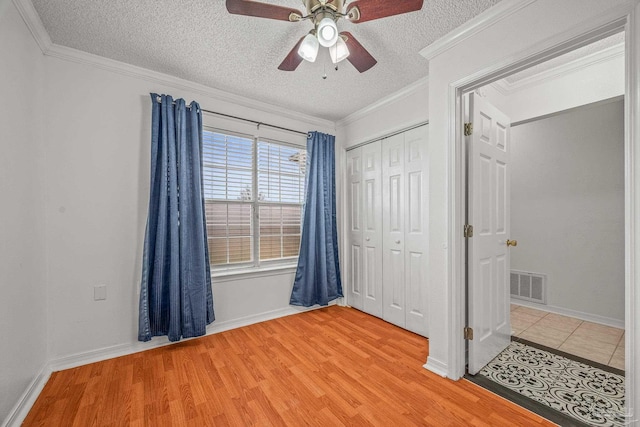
(339, 51)
(327, 32)
(309, 47)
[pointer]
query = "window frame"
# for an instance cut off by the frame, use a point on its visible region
(256, 266)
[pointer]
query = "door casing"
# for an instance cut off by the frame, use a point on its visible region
(627, 20)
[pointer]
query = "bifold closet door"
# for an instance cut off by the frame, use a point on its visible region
(364, 198)
(416, 226)
(393, 203)
(405, 219)
(372, 228)
(354, 250)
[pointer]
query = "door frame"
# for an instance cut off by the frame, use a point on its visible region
(625, 18)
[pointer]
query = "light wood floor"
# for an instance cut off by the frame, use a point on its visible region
(329, 367)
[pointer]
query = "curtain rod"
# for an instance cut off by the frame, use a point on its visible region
(246, 120)
(253, 121)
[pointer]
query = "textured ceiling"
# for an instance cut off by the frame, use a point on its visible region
(198, 40)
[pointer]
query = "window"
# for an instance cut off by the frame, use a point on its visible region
(254, 191)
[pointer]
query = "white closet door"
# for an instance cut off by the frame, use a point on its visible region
(393, 218)
(354, 250)
(416, 214)
(372, 228)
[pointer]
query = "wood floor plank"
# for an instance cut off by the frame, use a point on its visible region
(328, 367)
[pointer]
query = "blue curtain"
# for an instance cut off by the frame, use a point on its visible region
(175, 296)
(318, 275)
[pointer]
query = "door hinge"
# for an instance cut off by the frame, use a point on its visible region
(468, 333)
(468, 230)
(468, 129)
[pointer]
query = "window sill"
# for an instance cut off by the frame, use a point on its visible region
(250, 273)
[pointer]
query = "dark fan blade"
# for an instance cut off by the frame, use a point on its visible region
(358, 55)
(376, 9)
(261, 10)
(292, 60)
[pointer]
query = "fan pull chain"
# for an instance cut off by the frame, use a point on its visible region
(324, 69)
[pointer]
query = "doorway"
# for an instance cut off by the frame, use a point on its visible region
(478, 276)
(567, 273)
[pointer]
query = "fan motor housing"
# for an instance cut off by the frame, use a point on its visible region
(314, 5)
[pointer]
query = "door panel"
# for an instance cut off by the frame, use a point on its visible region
(488, 212)
(502, 310)
(369, 274)
(501, 198)
(395, 198)
(414, 217)
(415, 236)
(372, 228)
(393, 230)
(354, 198)
(396, 270)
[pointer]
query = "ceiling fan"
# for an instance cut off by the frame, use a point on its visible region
(324, 14)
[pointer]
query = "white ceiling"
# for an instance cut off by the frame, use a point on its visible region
(198, 40)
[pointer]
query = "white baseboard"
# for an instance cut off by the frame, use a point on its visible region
(20, 410)
(105, 353)
(602, 320)
(436, 366)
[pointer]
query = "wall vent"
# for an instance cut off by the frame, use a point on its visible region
(529, 286)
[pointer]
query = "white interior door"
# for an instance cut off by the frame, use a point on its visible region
(354, 199)
(393, 217)
(488, 212)
(372, 228)
(415, 236)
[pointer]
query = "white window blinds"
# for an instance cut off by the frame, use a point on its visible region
(239, 223)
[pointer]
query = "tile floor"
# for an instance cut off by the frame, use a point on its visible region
(574, 389)
(591, 341)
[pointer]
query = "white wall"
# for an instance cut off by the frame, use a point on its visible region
(532, 25)
(567, 207)
(595, 82)
(396, 112)
(23, 292)
(97, 174)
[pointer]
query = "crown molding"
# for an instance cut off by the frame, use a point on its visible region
(406, 91)
(609, 54)
(74, 55)
(33, 22)
(481, 22)
(501, 87)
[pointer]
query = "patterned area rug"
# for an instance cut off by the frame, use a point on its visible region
(588, 394)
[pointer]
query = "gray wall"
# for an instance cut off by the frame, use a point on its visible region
(567, 207)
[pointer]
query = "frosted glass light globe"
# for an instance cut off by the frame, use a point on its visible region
(327, 32)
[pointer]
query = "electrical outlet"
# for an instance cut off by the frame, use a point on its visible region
(100, 292)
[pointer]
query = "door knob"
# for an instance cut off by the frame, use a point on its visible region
(367, 239)
(398, 242)
(512, 243)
